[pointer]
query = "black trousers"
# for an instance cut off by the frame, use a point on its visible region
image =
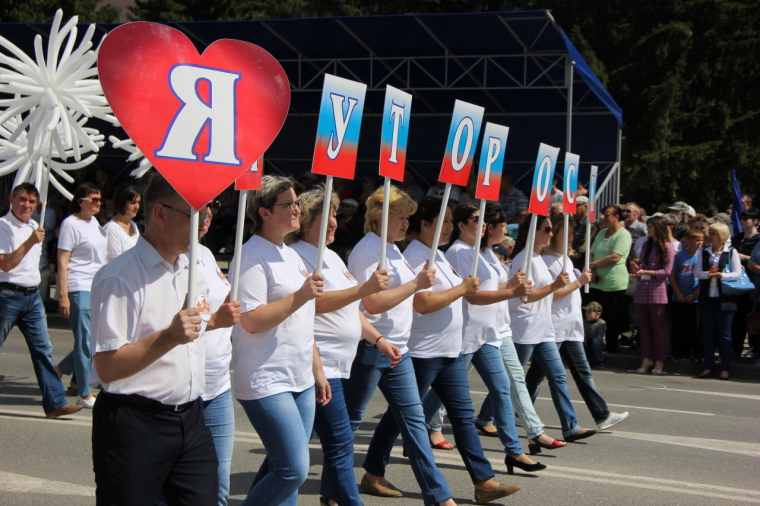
(614, 312)
(739, 324)
(685, 337)
(139, 450)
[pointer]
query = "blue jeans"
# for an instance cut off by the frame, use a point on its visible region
(28, 314)
(596, 346)
(219, 416)
(371, 369)
(547, 356)
(334, 430)
(489, 364)
(79, 360)
(283, 422)
(518, 393)
(716, 324)
(574, 356)
(448, 379)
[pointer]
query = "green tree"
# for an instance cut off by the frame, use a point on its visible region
(42, 11)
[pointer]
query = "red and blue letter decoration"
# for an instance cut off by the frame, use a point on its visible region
(202, 120)
(570, 186)
(592, 194)
(251, 179)
(491, 161)
(340, 120)
(463, 139)
(540, 196)
(395, 134)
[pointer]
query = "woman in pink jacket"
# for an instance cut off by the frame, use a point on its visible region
(651, 295)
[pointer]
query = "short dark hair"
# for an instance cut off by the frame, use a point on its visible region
(25, 187)
(462, 213)
(84, 190)
(428, 210)
(617, 210)
(751, 213)
(125, 193)
(157, 191)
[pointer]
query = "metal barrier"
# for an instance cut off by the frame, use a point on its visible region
(609, 191)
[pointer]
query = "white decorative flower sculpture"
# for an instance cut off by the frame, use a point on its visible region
(135, 154)
(53, 96)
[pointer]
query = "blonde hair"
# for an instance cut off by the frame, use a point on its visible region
(399, 203)
(558, 225)
(311, 207)
(722, 230)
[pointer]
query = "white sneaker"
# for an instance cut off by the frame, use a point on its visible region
(612, 420)
(87, 403)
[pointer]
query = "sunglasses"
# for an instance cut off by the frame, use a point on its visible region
(473, 219)
(626, 211)
(547, 230)
(214, 205)
(94, 200)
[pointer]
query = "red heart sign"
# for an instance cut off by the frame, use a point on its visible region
(202, 120)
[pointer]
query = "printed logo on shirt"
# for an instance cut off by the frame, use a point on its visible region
(303, 271)
(201, 303)
(222, 276)
(348, 275)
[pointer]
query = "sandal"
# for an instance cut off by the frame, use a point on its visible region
(705, 374)
(442, 445)
(724, 375)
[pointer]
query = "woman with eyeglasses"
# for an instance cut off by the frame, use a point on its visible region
(435, 345)
(81, 253)
(567, 319)
(532, 327)
(496, 222)
(276, 365)
(716, 309)
(121, 231)
(482, 332)
(390, 312)
(338, 327)
(744, 242)
(651, 296)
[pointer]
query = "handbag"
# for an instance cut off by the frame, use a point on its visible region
(737, 286)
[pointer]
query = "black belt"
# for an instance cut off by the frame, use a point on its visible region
(143, 402)
(26, 290)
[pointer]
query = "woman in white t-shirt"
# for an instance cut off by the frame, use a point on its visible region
(435, 346)
(532, 328)
(567, 319)
(81, 253)
(338, 328)
(496, 225)
(481, 337)
(390, 312)
(276, 365)
(121, 231)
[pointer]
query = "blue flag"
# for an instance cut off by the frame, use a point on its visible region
(736, 204)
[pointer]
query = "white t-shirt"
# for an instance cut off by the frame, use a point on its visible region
(532, 322)
(337, 333)
(567, 312)
(396, 323)
(279, 359)
(86, 240)
(13, 233)
(133, 297)
(436, 334)
(119, 241)
(504, 329)
(218, 342)
(481, 323)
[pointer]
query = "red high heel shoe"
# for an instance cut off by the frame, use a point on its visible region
(536, 445)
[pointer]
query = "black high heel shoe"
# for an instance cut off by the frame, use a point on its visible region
(535, 447)
(512, 462)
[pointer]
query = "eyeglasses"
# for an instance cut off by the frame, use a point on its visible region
(290, 205)
(174, 209)
(214, 206)
(94, 200)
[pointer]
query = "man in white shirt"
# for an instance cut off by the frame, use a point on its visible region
(20, 303)
(148, 431)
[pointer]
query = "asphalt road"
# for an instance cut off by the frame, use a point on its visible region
(687, 441)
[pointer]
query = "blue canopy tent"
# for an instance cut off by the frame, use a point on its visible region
(520, 66)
